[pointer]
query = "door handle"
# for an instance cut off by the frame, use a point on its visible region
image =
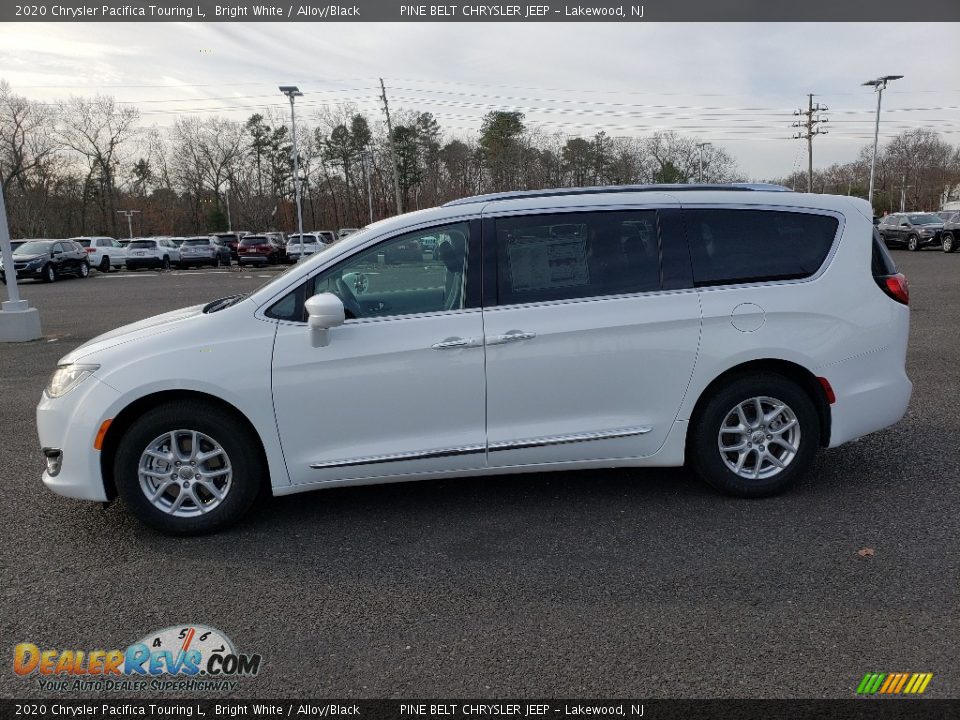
(511, 336)
(452, 343)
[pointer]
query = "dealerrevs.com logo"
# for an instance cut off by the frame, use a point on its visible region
(181, 657)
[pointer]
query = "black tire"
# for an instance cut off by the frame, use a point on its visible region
(913, 243)
(165, 265)
(241, 447)
(703, 451)
(49, 273)
(949, 243)
(104, 265)
(84, 270)
(218, 261)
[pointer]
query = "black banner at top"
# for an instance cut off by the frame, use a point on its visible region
(486, 11)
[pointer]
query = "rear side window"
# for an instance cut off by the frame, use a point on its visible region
(575, 255)
(738, 246)
(882, 264)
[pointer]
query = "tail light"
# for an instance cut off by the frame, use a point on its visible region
(91, 249)
(896, 287)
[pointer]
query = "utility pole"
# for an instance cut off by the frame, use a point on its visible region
(366, 156)
(810, 131)
(700, 147)
(128, 214)
(393, 149)
(903, 192)
(227, 197)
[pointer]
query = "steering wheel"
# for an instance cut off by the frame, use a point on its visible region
(349, 300)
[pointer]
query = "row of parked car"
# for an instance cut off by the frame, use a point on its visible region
(47, 259)
(916, 230)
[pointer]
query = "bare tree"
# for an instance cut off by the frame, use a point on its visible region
(97, 130)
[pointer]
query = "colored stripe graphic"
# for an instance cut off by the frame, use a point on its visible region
(894, 683)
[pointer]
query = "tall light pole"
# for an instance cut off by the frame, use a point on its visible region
(700, 147)
(879, 85)
(293, 92)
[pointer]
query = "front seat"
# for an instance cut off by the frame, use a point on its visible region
(452, 252)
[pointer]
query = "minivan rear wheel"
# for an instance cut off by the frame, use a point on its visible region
(188, 468)
(755, 436)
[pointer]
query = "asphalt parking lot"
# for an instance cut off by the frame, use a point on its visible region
(618, 583)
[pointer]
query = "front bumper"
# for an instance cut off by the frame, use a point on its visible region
(69, 424)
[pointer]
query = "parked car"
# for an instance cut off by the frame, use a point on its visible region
(950, 237)
(663, 326)
(327, 236)
(911, 230)
(343, 232)
(103, 253)
(158, 252)
(203, 250)
(277, 237)
(312, 243)
(48, 260)
(232, 240)
(409, 251)
(259, 250)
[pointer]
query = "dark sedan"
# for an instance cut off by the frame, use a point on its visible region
(48, 260)
(910, 230)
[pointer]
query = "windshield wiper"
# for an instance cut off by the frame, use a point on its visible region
(223, 302)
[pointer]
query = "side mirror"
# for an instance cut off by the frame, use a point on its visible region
(324, 311)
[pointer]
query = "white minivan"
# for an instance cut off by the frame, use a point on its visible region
(734, 328)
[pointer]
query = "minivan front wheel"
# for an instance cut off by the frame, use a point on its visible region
(187, 469)
(755, 436)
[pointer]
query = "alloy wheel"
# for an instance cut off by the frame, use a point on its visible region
(185, 473)
(759, 438)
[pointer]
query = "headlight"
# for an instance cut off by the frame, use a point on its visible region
(66, 377)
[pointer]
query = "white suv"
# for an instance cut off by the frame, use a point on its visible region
(732, 328)
(103, 253)
(157, 253)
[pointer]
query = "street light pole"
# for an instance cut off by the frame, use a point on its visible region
(879, 85)
(293, 92)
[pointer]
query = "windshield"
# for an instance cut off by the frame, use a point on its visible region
(33, 247)
(143, 244)
(924, 219)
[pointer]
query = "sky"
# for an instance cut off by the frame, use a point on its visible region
(732, 84)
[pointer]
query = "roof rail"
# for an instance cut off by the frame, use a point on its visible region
(612, 189)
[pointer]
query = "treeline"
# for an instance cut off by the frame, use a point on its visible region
(917, 166)
(67, 168)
